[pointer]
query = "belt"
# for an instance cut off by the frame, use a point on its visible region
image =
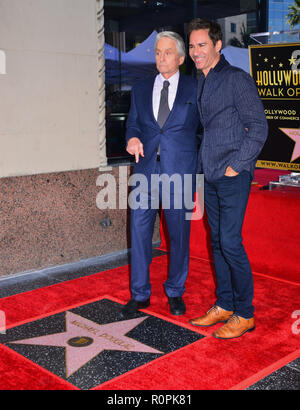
(158, 158)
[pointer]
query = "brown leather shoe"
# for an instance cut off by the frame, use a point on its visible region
(235, 327)
(214, 315)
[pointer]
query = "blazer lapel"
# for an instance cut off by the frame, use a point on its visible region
(181, 98)
(148, 100)
(201, 82)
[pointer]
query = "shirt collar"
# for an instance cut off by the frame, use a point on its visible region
(221, 64)
(172, 80)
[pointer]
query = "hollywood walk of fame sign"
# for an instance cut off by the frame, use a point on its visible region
(275, 69)
(294, 134)
(90, 344)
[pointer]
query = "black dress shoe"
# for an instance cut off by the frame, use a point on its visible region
(133, 306)
(177, 306)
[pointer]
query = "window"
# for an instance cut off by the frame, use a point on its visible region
(132, 22)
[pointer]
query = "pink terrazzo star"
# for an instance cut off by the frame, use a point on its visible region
(294, 134)
(85, 339)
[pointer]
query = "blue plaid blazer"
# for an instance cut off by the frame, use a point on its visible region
(233, 120)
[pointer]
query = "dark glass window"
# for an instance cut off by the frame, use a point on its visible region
(130, 30)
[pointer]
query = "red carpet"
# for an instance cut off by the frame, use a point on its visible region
(271, 230)
(205, 364)
(271, 238)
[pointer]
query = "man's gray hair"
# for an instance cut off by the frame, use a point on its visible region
(173, 36)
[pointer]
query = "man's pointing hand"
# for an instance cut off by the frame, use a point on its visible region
(135, 147)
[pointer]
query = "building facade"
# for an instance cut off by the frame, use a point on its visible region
(53, 132)
(277, 21)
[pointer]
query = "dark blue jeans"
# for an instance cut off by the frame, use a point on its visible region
(225, 202)
(141, 227)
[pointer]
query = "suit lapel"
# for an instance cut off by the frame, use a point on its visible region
(181, 97)
(148, 100)
(201, 82)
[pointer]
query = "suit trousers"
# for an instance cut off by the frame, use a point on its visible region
(142, 226)
(225, 203)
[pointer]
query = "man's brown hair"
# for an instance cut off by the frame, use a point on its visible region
(214, 29)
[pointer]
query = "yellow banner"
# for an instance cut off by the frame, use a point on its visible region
(287, 166)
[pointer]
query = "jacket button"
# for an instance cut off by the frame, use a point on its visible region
(161, 131)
